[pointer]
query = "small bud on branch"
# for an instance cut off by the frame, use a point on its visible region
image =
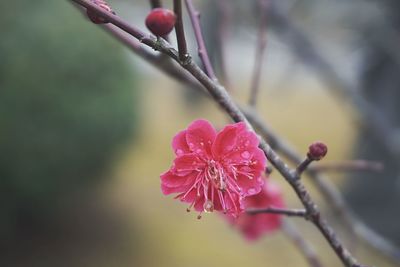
(94, 16)
(160, 21)
(316, 151)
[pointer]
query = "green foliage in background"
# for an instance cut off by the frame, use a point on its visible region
(67, 105)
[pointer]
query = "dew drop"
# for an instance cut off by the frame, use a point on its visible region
(201, 143)
(191, 145)
(245, 154)
(198, 150)
(179, 152)
(251, 191)
(208, 206)
(247, 143)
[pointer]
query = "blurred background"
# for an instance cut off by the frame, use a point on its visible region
(86, 126)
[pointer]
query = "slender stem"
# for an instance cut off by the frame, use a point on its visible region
(302, 245)
(260, 51)
(126, 39)
(202, 50)
(221, 96)
(287, 212)
(180, 32)
(303, 165)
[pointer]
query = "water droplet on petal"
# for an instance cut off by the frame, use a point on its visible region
(179, 152)
(251, 191)
(246, 169)
(208, 206)
(198, 150)
(191, 145)
(247, 143)
(246, 154)
(201, 143)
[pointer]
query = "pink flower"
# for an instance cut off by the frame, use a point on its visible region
(215, 171)
(254, 226)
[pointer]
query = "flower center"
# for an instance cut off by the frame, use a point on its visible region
(216, 175)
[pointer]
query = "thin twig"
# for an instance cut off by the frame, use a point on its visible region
(302, 245)
(180, 32)
(202, 50)
(260, 51)
(303, 165)
(272, 210)
(162, 63)
(134, 45)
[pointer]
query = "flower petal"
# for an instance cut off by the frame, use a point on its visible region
(226, 140)
(246, 138)
(199, 136)
(259, 160)
(187, 163)
(166, 190)
(254, 226)
(171, 180)
(179, 144)
(250, 185)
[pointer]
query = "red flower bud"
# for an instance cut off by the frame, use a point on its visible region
(160, 21)
(94, 17)
(317, 151)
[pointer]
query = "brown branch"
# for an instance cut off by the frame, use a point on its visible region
(272, 210)
(260, 51)
(180, 32)
(134, 45)
(226, 103)
(202, 50)
(302, 245)
(303, 165)
(162, 63)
